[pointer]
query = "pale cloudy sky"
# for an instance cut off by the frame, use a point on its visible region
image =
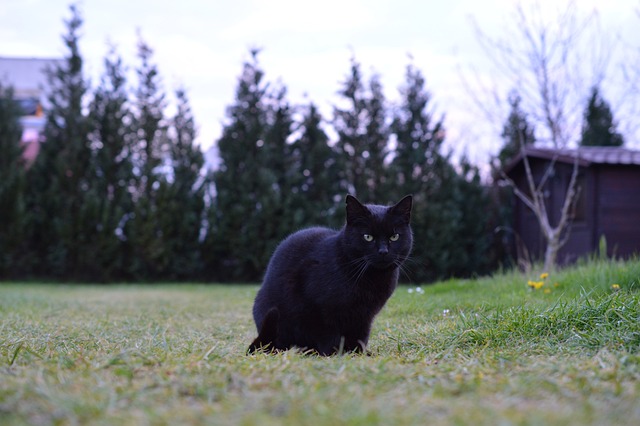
(306, 45)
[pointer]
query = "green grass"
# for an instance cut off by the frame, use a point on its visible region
(487, 351)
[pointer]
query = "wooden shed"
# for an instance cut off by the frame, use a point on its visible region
(608, 202)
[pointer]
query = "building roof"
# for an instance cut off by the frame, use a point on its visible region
(586, 156)
(27, 76)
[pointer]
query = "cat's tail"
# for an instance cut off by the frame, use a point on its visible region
(268, 333)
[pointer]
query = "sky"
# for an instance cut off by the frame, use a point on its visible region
(305, 45)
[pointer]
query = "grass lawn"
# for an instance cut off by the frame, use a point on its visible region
(470, 352)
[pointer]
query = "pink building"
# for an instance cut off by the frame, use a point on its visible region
(28, 78)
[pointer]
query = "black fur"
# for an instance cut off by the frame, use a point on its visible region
(323, 287)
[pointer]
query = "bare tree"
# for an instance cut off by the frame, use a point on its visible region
(629, 101)
(555, 236)
(552, 59)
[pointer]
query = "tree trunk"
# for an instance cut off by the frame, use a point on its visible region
(551, 254)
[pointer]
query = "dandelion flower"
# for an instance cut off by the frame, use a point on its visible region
(536, 285)
(547, 290)
(615, 287)
(544, 275)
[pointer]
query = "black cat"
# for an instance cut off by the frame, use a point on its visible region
(323, 287)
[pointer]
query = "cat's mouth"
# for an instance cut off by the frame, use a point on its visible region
(384, 262)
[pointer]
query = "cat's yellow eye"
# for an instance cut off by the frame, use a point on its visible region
(394, 237)
(368, 237)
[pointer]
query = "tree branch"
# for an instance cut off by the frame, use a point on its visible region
(571, 195)
(521, 195)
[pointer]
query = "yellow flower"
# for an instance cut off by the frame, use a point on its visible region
(544, 276)
(547, 290)
(536, 285)
(615, 287)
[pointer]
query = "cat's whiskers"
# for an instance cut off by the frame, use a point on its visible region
(404, 263)
(356, 268)
(363, 268)
(360, 266)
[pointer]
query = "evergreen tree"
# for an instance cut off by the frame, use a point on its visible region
(148, 121)
(149, 156)
(516, 133)
(62, 209)
(598, 128)
(418, 167)
(363, 136)
(246, 181)
(451, 224)
(377, 136)
(181, 199)
(417, 160)
(112, 151)
(277, 168)
(472, 242)
(316, 192)
(12, 185)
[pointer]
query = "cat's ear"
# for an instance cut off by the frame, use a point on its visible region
(403, 208)
(356, 210)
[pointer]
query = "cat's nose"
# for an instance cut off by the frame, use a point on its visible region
(382, 250)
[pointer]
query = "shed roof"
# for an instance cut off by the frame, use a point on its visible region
(585, 156)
